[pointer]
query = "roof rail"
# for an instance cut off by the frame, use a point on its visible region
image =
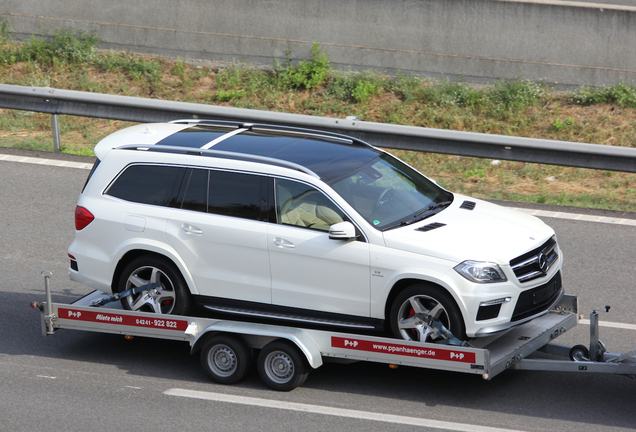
(283, 130)
(205, 122)
(196, 151)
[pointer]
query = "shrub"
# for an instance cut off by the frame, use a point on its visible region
(354, 87)
(309, 74)
(516, 94)
(226, 96)
(621, 94)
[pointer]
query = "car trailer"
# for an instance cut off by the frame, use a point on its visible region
(286, 354)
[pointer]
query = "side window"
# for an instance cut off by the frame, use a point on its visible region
(302, 205)
(195, 184)
(235, 194)
(148, 184)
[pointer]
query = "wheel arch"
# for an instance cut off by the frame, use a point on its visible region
(406, 282)
(132, 254)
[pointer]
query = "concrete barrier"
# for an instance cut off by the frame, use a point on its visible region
(560, 42)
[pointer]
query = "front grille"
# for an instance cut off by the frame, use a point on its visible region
(537, 300)
(536, 263)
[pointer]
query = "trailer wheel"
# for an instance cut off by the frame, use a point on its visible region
(225, 359)
(579, 353)
(428, 299)
(282, 366)
(173, 297)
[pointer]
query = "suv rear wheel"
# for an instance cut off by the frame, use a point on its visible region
(172, 297)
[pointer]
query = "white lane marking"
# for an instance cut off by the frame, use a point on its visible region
(610, 324)
(49, 162)
(331, 411)
(538, 213)
(578, 217)
(47, 377)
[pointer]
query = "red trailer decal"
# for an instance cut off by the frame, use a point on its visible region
(116, 318)
(403, 350)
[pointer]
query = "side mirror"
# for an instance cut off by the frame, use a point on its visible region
(342, 231)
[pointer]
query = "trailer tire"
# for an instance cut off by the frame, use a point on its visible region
(282, 366)
(429, 297)
(226, 359)
(172, 298)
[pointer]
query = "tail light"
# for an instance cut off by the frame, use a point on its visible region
(82, 218)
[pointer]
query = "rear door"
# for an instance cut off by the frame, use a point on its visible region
(219, 231)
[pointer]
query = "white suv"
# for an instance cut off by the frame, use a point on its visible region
(308, 227)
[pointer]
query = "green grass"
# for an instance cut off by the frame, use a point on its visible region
(518, 107)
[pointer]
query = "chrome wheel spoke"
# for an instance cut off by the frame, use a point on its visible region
(139, 302)
(417, 305)
(137, 280)
(409, 323)
(436, 312)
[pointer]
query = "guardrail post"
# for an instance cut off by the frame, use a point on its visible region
(56, 133)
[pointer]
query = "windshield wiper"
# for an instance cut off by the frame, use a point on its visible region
(433, 207)
(428, 209)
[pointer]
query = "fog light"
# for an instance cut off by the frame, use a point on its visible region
(495, 302)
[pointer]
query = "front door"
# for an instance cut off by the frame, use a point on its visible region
(309, 270)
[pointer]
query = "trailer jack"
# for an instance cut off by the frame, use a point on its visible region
(596, 358)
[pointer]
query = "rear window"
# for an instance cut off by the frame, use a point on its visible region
(90, 174)
(148, 184)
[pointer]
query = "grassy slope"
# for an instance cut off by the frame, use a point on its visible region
(520, 108)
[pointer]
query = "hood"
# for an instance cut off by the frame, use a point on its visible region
(488, 232)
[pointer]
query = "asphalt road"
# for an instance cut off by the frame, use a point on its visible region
(76, 381)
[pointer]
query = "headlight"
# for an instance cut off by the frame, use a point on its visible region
(481, 272)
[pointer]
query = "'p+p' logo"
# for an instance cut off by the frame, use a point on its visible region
(350, 343)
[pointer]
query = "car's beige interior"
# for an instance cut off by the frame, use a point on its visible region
(304, 211)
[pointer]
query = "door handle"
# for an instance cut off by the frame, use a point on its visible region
(191, 229)
(283, 243)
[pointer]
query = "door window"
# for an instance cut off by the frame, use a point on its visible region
(301, 205)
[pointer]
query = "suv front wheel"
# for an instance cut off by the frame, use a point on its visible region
(411, 306)
(172, 297)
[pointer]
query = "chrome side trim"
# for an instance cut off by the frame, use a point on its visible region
(277, 316)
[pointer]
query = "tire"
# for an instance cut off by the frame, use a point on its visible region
(426, 298)
(173, 297)
(579, 353)
(282, 366)
(226, 359)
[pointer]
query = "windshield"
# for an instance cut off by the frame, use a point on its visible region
(389, 194)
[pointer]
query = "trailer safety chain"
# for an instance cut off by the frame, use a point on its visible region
(117, 296)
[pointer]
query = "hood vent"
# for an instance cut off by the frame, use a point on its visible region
(431, 226)
(468, 205)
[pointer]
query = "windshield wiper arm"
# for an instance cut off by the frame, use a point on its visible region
(415, 216)
(433, 207)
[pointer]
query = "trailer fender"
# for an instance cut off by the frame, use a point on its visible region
(258, 335)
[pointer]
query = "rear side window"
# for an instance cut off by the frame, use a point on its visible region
(235, 194)
(148, 184)
(90, 174)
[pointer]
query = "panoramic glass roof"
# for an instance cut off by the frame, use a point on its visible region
(329, 158)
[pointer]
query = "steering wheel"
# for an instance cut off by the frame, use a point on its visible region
(385, 196)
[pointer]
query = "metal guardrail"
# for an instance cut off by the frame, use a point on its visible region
(84, 104)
